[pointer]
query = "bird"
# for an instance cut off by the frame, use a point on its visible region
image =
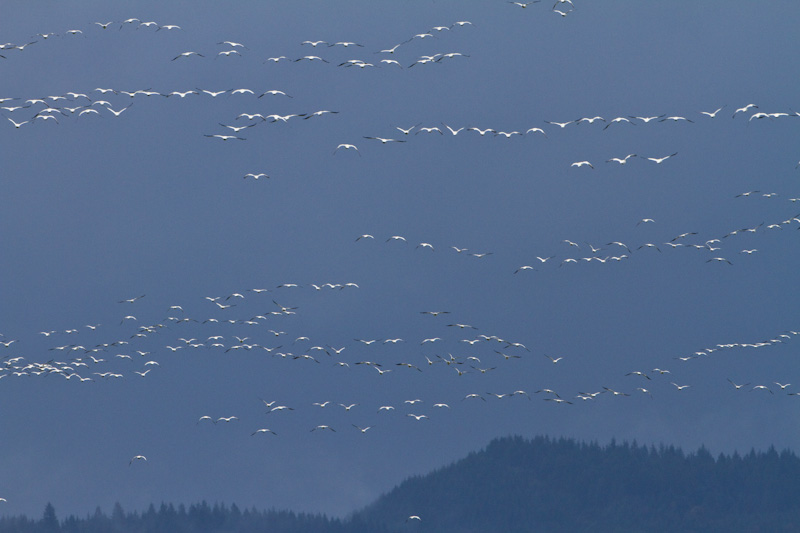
(482, 132)
(712, 114)
(384, 140)
(18, 125)
(620, 160)
(118, 113)
(453, 131)
(680, 387)
(255, 176)
(187, 54)
(226, 137)
(406, 131)
(581, 164)
(659, 160)
(262, 430)
(347, 147)
(236, 129)
(312, 58)
(617, 120)
(137, 458)
(744, 109)
(275, 92)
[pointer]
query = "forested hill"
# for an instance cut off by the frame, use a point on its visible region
(520, 485)
(562, 485)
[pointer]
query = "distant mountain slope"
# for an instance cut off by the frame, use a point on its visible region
(519, 485)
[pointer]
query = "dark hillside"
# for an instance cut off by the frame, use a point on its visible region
(561, 485)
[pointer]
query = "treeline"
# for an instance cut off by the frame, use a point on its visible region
(548, 484)
(198, 518)
(520, 485)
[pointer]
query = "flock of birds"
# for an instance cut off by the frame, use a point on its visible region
(258, 321)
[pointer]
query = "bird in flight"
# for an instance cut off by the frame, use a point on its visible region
(347, 147)
(187, 54)
(384, 141)
(659, 160)
(620, 160)
(225, 137)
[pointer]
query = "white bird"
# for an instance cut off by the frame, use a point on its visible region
(312, 58)
(714, 113)
(187, 54)
(619, 160)
(581, 164)
(384, 141)
(482, 132)
(262, 430)
(275, 92)
(233, 44)
(453, 131)
(659, 160)
(618, 120)
(18, 124)
(226, 137)
(744, 109)
(137, 458)
(347, 147)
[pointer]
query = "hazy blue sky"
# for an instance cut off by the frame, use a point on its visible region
(99, 208)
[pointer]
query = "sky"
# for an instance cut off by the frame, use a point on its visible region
(101, 206)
